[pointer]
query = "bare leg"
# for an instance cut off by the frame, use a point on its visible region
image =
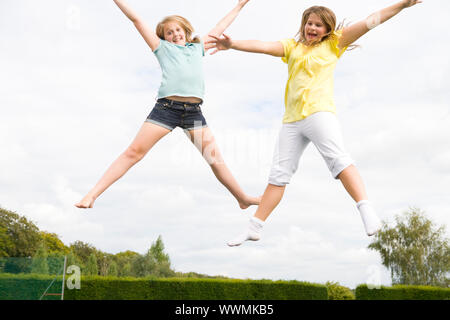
(270, 200)
(204, 140)
(147, 137)
(353, 183)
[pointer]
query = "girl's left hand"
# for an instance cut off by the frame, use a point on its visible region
(243, 2)
(410, 3)
(218, 43)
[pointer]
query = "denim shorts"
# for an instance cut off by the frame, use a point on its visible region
(170, 114)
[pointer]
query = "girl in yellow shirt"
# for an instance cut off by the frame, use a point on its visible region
(310, 109)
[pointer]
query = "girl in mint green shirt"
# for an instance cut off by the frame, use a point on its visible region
(179, 99)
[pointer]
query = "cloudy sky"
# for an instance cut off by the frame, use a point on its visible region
(77, 81)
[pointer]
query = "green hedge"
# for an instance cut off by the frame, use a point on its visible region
(25, 287)
(28, 287)
(101, 288)
(399, 292)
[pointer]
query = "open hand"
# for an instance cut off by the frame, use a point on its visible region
(410, 3)
(218, 43)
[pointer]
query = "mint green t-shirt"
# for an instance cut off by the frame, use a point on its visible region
(182, 69)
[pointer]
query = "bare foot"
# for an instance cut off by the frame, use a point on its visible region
(249, 201)
(86, 203)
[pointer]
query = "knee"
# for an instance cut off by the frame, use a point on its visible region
(134, 154)
(212, 154)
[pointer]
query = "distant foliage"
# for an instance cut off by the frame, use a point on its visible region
(39, 262)
(91, 268)
(24, 249)
(19, 237)
(414, 250)
(338, 292)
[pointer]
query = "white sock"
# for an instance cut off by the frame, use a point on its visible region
(252, 233)
(369, 217)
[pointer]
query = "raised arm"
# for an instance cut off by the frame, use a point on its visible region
(226, 21)
(273, 48)
(352, 33)
(146, 32)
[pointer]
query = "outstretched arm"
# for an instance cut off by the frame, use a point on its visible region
(226, 21)
(148, 34)
(354, 32)
(273, 48)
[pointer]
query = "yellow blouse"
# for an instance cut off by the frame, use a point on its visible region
(310, 86)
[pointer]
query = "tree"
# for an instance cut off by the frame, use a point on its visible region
(53, 244)
(143, 266)
(20, 237)
(157, 251)
(124, 261)
(154, 263)
(82, 251)
(39, 262)
(72, 259)
(91, 268)
(112, 269)
(162, 265)
(415, 251)
(6, 245)
(125, 271)
(103, 262)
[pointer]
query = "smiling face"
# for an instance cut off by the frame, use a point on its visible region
(174, 33)
(315, 29)
(318, 24)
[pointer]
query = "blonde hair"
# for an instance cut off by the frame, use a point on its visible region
(183, 22)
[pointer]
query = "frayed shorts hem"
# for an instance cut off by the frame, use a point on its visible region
(171, 129)
(160, 124)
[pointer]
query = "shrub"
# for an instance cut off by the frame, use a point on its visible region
(338, 292)
(402, 292)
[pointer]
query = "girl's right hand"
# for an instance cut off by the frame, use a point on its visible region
(218, 43)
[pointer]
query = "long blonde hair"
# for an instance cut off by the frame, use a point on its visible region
(183, 22)
(328, 19)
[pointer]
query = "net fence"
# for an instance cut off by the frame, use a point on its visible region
(31, 278)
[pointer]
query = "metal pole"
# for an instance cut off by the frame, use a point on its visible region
(64, 278)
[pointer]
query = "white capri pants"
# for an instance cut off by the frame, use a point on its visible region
(324, 131)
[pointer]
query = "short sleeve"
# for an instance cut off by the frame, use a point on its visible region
(161, 46)
(334, 41)
(288, 45)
